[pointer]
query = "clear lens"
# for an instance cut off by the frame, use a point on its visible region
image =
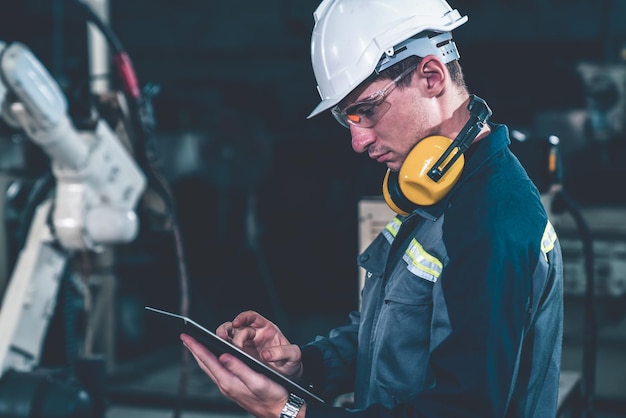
(340, 117)
(364, 114)
(369, 111)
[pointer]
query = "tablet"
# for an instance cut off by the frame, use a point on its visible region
(218, 346)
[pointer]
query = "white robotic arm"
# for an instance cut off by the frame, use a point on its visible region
(98, 182)
(98, 185)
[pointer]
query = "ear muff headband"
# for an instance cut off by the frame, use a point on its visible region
(421, 182)
(479, 115)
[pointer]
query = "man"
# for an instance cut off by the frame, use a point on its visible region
(461, 311)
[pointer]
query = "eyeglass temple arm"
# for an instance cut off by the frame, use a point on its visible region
(480, 114)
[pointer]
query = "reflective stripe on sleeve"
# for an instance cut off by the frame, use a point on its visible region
(392, 228)
(548, 240)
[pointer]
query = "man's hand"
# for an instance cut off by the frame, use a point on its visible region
(263, 340)
(254, 392)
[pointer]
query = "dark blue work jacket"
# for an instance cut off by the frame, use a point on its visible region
(462, 306)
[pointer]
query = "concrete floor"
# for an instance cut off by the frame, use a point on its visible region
(214, 406)
(144, 412)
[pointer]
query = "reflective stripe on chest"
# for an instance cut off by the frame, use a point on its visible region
(419, 261)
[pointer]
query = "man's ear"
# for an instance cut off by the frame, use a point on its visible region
(433, 72)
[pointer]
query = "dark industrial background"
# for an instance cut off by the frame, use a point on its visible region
(268, 201)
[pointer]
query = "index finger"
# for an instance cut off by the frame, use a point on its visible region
(249, 319)
(224, 330)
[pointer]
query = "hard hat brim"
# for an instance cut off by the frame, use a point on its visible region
(322, 106)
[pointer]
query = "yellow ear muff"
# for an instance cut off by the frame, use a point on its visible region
(413, 178)
(412, 185)
(434, 165)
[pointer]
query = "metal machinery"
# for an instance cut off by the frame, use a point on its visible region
(592, 142)
(98, 187)
(588, 213)
(98, 184)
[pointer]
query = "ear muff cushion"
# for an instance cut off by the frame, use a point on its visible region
(393, 195)
(413, 178)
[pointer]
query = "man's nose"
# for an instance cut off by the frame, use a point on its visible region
(362, 138)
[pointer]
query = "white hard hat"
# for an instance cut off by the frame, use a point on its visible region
(353, 38)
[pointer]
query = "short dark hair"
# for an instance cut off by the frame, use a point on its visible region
(454, 68)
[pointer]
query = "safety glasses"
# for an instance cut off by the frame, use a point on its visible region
(367, 112)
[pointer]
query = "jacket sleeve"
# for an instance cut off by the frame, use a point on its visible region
(330, 362)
